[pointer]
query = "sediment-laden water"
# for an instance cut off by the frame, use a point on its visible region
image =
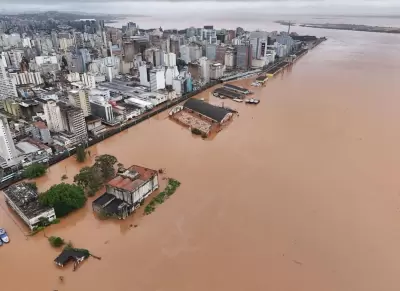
(301, 192)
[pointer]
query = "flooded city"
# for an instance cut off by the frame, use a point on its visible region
(301, 192)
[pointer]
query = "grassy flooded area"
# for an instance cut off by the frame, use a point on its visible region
(162, 196)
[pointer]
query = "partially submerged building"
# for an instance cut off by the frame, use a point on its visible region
(68, 255)
(126, 191)
(213, 113)
(200, 115)
(25, 202)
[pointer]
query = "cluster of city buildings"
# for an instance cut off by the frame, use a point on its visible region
(65, 82)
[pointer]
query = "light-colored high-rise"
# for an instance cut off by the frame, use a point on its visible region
(7, 85)
(157, 79)
(52, 113)
(66, 119)
(7, 147)
(205, 69)
(170, 59)
(80, 98)
(88, 80)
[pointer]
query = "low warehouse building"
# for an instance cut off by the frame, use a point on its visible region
(214, 113)
(126, 191)
(25, 202)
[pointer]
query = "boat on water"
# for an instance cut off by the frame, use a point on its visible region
(4, 236)
(237, 100)
(252, 101)
(255, 84)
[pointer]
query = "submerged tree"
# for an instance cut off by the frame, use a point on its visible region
(65, 198)
(34, 171)
(80, 153)
(56, 241)
(90, 179)
(105, 163)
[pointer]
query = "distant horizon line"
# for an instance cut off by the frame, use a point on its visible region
(380, 15)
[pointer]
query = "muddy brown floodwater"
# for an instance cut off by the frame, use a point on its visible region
(301, 192)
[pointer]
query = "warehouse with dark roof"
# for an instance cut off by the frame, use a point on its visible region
(215, 113)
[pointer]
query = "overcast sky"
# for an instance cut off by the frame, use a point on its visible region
(180, 6)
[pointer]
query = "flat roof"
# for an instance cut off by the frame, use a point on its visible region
(233, 87)
(103, 199)
(26, 147)
(115, 205)
(26, 199)
(228, 93)
(206, 109)
(138, 102)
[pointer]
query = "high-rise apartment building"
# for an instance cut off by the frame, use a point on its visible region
(211, 52)
(170, 59)
(157, 79)
(27, 78)
(204, 69)
(102, 109)
(7, 147)
(185, 53)
(88, 80)
(220, 53)
(80, 98)
(195, 52)
(7, 85)
(243, 56)
(66, 119)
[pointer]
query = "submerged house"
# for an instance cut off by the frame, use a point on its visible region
(68, 255)
(126, 191)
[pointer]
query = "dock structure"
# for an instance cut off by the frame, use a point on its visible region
(237, 89)
(276, 69)
(222, 93)
(262, 79)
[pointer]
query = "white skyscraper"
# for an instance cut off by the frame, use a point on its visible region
(143, 75)
(53, 116)
(157, 79)
(88, 80)
(185, 53)
(7, 147)
(7, 85)
(170, 59)
(205, 69)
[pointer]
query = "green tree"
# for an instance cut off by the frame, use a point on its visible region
(56, 241)
(65, 198)
(89, 178)
(32, 185)
(105, 164)
(34, 171)
(80, 154)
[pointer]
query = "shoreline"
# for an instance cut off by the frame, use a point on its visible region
(350, 27)
(17, 176)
